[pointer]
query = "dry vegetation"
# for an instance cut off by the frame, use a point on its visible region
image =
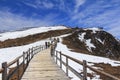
(32, 38)
(75, 45)
(109, 69)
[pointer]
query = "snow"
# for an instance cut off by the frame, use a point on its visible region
(87, 42)
(81, 36)
(94, 29)
(9, 54)
(89, 45)
(18, 34)
(100, 41)
(80, 56)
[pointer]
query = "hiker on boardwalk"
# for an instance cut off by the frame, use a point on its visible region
(52, 50)
(46, 45)
(58, 40)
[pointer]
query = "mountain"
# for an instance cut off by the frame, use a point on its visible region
(19, 38)
(80, 43)
(94, 41)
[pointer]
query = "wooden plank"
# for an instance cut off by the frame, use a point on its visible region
(86, 66)
(4, 73)
(66, 66)
(84, 70)
(72, 70)
(14, 61)
(43, 67)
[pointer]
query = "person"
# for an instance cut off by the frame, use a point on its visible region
(52, 50)
(46, 45)
(58, 40)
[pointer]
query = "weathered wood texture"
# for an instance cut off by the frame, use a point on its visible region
(43, 67)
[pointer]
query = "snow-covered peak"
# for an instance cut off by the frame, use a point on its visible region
(94, 29)
(18, 34)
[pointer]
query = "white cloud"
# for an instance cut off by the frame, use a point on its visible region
(97, 14)
(78, 3)
(31, 5)
(39, 4)
(9, 21)
(48, 5)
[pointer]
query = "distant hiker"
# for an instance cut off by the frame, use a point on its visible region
(58, 40)
(46, 44)
(54, 39)
(52, 50)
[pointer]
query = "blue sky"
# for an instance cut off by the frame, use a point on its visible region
(16, 14)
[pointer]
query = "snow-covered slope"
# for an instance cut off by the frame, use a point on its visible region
(18, 34)
(80, 56)
(9, 54)
(94, 41)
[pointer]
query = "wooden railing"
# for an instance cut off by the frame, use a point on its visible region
(58, 57)
(20, 63)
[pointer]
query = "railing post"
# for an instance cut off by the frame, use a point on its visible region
(27, 58)
(18, 69)
(84, 70)
(67, 66)
(60, 60)
(39, 49)
(4, 73)
(56, 57)
(23, 61)
(29, 54)
(32, 52)
(52, 53)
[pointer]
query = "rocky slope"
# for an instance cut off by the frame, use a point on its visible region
(94, 41)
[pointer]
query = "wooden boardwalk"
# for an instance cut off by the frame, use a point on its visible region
(43, 67)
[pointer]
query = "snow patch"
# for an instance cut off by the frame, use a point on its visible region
(94, 29)
(80, 56)
(100, 41)
(18, 34)
(89, 45)
(87, 42)
(9, 54)
(81, 36)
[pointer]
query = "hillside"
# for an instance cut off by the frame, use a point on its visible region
(19, 38)
(82, 44)
(94, 41)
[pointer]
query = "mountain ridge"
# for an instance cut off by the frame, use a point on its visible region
(94, 41)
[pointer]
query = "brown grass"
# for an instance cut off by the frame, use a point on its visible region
(115, 71)
(33, 38)
(73, 43)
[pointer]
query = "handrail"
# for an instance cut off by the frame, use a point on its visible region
(95, 70)
(55, 53)
(104, 73)
(14, 61)
(26, 57)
